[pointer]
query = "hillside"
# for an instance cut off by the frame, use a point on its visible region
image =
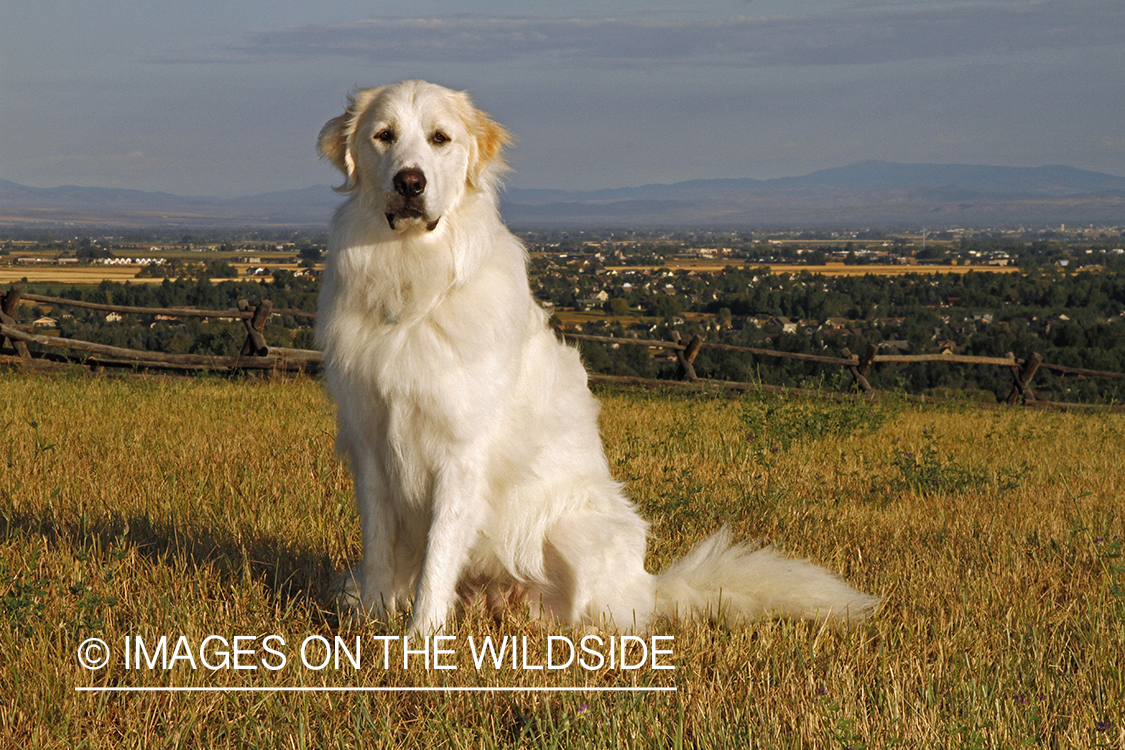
(188, 508)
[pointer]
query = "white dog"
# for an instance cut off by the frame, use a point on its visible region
(467, 425)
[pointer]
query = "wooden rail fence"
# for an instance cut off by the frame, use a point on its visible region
(1022, 370)
(256, 355)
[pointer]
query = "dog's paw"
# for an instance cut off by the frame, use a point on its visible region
(344, 591)
(425, 626)
(581, 631)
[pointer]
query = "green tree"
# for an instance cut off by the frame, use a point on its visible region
(617, 307)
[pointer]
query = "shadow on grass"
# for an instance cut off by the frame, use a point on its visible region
(288, 573)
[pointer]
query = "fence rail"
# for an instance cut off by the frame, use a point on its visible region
(179, 312)
(257, 356)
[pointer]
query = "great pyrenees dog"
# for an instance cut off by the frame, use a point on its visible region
(468, 427)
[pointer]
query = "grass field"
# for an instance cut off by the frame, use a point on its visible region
(135, 509)
(70, 274)
(98, 274)
(829, 269)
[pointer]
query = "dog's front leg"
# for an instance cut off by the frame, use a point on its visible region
(378, 524)
(459, 506)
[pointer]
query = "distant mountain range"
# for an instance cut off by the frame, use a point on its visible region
(864, 194)
(870, 193)
(114, 207)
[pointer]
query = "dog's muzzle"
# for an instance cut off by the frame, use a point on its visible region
(408, 203)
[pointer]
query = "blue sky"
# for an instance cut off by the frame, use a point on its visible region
(201, 97)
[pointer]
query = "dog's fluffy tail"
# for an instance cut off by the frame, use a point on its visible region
(734, 582)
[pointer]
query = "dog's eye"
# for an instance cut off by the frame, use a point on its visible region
(386, 135)
(439, 138)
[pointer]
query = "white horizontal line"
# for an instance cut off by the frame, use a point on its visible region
(364, 689)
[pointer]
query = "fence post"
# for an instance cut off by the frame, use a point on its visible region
(7, 307)
(686, 356)
(862, 367)
(1021, 377)
(255, 345)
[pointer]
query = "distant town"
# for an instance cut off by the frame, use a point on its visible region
(946, 246)
(1058, 292)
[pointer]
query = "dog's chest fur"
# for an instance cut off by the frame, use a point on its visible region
(419, 355)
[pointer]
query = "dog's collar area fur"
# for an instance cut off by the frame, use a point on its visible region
(393, 217)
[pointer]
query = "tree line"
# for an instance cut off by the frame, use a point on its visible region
(1072, 319)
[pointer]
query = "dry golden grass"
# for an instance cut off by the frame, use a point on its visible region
(197, 507)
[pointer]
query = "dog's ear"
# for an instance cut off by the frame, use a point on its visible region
(489, 140)
(337, 137)
(332, 143)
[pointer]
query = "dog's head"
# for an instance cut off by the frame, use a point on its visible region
(413, 148)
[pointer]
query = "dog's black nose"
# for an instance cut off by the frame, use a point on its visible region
(410, 183)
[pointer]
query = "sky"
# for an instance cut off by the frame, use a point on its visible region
(221, 98)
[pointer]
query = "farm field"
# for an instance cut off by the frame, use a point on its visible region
(829, 269)
(841, 269)
(98, 273)
(189, 508)
(94, 274)
(70, 274)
